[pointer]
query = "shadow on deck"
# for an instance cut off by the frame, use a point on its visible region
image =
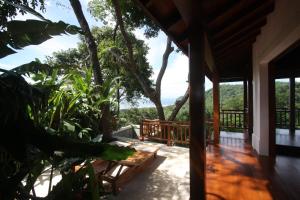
(233, 172)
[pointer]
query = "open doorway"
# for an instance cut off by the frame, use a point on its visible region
(233, 110)
(284, 103)
(287, 92)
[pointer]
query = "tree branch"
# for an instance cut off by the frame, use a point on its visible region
(179, 104)
(168, 51)
(131, 66)
(123, 30)
(105, 122)
(149, 92)
(115, 31)
(92, 47)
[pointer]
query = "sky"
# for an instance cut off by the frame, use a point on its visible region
(174, 83)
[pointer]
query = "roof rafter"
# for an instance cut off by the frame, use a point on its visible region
(254, 25)
(233, 42)
(261, 11)
(231, 12)
(241, 45)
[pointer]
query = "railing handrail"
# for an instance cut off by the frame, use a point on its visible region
(233, 110)
(168, 131)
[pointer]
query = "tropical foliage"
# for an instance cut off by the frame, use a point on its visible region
(50, 122)
(27, 148)
(107, 45)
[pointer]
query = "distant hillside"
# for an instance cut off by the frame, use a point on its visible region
(231, 97)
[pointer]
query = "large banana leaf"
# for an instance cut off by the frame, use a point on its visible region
(33, 67)
(20, 34)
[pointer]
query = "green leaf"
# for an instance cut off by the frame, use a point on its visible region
(114, 152)
(26, 9)
(20, 34)
(33, 67)
(69, 127)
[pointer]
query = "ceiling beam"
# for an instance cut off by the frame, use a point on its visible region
(149, 3)
(183, 36)
(231, 13)
(254, 25)
(261, 11)
(214, 8)
(230, 50)
(190, 10)
(237, 40)
(172, 20)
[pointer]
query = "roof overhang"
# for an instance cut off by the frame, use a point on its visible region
(231, 28)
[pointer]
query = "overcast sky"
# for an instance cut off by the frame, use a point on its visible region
(174, 83)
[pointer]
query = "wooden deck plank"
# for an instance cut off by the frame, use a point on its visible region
(233, 172)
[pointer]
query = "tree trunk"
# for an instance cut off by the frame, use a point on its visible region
(105, 122)
(179, 104)
(168, 51)
(159, 109)
(153, 94)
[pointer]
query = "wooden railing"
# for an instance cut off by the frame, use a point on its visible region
(170, 132)
(283, 118)
(233, 119)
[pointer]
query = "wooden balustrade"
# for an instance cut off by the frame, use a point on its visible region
(283, 118)
(233, 119)
(170, 132)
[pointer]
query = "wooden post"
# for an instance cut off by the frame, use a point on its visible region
(216, 102)
(292, 106)
(141, 130)
(197, 112)
(245, 109)
(169, 138)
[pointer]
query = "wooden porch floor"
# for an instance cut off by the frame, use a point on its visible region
(235, 172)
(283, 137)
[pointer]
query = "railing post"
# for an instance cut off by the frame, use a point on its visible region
(142, 130)
(245, 110)
(169, 138)
(292, 106)
(216, 109)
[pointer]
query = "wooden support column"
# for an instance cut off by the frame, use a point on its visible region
(292, 105)
(197, 113)
(216, 102)
(245, 110)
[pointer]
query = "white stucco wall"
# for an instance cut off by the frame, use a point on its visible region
(280, 32)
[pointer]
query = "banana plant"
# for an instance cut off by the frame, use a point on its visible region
(19, 34)
(35, 147)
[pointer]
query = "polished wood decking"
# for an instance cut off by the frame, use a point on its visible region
(235, 172)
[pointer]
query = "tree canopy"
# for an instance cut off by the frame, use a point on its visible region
(10, 8)
(107, 44)
(133, 16)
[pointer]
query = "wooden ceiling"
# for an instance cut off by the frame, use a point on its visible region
(231, 26)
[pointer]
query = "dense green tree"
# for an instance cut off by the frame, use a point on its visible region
(133, 16)
(106, 43)
(106, 119)
(128, 17)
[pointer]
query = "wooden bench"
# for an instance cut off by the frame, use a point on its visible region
(117, 173)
